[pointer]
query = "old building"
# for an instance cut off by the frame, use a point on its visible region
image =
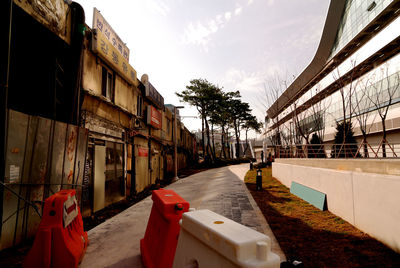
(76, 116)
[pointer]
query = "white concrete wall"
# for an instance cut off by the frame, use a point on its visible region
(369, 201)
(371, 165)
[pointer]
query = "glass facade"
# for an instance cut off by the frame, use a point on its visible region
(357, 15)
(368, 100)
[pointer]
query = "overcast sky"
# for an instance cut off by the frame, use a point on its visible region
(236, 44)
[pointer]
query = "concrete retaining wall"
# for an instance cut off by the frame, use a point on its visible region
(369, 201)
(381, 166)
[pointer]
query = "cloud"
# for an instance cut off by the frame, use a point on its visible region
(228, 16)
(242, 80)
(238, 10)
(309, 35)
(250, 2)
(159, 7)
(199, 32)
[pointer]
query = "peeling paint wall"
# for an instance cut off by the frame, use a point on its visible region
(54, 14)
(91, 80)
(157, 168)
(141, 163)
(125, 95)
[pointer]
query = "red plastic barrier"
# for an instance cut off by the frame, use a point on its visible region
(159, 243)
(60, 240)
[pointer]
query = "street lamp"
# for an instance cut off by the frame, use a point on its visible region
(175, 144)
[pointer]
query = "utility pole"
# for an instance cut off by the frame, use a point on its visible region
(175, 144)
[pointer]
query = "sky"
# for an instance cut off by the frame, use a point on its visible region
(235, 44)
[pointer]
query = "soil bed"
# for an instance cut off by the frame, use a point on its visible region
(317, 238)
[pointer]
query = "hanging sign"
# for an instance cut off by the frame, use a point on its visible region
(143, 152)
(154, 117)
(109, 53)
(100, 23)
(153, 95)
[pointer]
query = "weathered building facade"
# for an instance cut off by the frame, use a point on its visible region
(76, 116)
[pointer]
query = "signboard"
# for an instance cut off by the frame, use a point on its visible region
(109, 53)
(154, 117)
(53, 14)
(153, 95)
(143, 152)
(102, 25)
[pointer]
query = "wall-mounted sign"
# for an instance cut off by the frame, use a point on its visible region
(54, 14)
(153, 95)
(154, 117)
(100, 23)
(109, 53)
(143, 152)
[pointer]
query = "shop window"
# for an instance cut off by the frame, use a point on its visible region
(115, 185)
(107, 83)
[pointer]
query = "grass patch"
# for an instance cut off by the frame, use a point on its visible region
(318, 238)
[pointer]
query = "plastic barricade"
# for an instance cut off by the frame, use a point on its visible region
(60, 240)
(159, 243)
(211, 240)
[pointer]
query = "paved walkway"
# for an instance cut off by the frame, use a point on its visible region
(115, 243)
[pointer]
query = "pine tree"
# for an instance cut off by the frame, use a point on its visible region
(316, 148)
(345, 144)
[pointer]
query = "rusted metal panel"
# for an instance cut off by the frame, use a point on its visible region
(9, 216)
(79, 169)
(69, 157)
(21, 225)
(37, 173)
(36, 153)
(56, 169)
(14, 162)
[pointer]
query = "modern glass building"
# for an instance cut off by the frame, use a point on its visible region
(354, 76)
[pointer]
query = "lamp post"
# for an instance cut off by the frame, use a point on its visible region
(259, 180)
(175, 144)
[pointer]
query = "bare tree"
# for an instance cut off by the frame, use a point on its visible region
(382, 98)
(362, 105)
(274, 87)
(319, 112)
(347, 85)
(299, 119)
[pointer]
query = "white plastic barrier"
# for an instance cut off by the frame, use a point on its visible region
(208, 240)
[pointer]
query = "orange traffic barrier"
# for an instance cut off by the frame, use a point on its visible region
(60, 240)
(159, 243)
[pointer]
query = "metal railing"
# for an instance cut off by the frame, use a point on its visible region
(353, 150)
